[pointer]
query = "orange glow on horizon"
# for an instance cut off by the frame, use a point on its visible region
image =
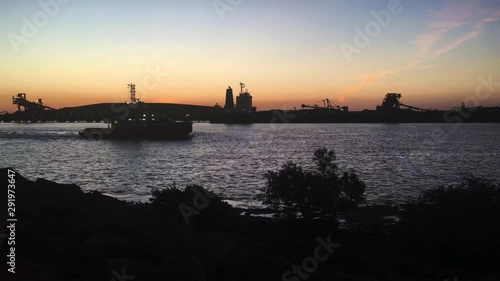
(287, 55)
(355, 101)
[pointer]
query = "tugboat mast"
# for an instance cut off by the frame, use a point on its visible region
(132, 93)
(242, 85)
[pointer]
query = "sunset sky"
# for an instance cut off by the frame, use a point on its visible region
(436, 53)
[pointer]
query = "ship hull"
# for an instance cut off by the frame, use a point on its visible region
(160, 131)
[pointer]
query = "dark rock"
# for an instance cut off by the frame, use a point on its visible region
(53, 187)
(235, 260)
(103, 246)
(106, 239)
(96, 271)
(20, 180)
(164, 248)
(28, 270)
(212, 249)
(137, 269)
(59, 247)
(183, 268)
(490, 277)
(247, 265)
(280, 263)
(349, 277)
(65, 234)
(34, 198)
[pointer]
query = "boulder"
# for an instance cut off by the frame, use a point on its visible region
(54, 187)
(33, 198)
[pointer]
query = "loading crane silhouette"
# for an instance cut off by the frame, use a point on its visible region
(327, 104)
(21, 101)
(391, 103)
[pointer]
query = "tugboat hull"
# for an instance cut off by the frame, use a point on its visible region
(160, 131)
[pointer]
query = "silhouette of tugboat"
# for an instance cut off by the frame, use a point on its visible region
(140, 124)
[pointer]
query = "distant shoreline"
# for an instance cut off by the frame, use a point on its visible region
(195, 113)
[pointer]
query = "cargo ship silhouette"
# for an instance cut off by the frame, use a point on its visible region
(140, 124)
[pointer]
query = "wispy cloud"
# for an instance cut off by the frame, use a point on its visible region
(426, 41)
(428, 66)
(456, 43)
(366, 80)
(467, 16)
(461, 20)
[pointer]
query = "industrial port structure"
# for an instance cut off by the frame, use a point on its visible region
(22, 102)
(328, 104)
(243, 101)
(391, 110)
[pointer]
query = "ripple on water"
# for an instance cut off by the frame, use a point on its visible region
(395, 161)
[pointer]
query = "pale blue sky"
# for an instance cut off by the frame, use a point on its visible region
(432, 51)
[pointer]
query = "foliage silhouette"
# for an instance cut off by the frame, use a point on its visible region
(312, 193)
(463, 218)
(170, 199)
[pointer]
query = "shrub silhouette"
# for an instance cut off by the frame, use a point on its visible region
(312, 193)
(168, 200)
(463, 217)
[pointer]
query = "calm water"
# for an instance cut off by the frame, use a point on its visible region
(396, 161)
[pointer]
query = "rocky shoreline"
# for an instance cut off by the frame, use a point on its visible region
(63, 233)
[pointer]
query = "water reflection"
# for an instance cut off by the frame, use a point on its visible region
(394, 160)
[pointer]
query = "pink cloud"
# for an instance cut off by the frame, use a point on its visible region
(425, 41)
(428, 66)
(366, 80)
(456, 43)
(370, 78)
(464, 14)
(450, 17)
